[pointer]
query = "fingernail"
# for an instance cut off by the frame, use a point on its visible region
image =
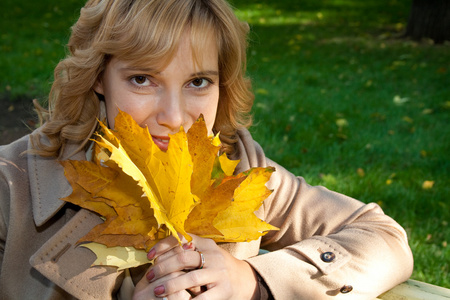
(151, 254)
(159, 290)
(150, 275)
(188, 246)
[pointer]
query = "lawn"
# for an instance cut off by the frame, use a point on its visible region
(340, 100)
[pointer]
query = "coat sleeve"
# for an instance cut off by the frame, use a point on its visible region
(10, 172)
(4, 204)
(329, 246)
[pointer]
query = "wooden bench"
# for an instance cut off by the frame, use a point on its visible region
(416, 290)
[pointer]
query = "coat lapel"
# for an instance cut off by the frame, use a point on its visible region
(69, 265)
(48, 184)
(59, 258)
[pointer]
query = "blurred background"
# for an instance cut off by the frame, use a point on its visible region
(353, 95)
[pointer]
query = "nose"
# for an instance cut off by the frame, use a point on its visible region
(171, 110)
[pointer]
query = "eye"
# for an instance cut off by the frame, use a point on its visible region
(200, 83)
(140, 80)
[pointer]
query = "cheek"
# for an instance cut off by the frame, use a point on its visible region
(210, 113)
(124, 101)
(112, 96)
(111, 113)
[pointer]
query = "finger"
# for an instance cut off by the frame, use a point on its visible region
(145, 290)
(174, 251)
(171, 252)
(184, 260)
(190, 280)
(202, 244)
(164, 245)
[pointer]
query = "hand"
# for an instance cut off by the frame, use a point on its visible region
(176, 271)
(145, 290)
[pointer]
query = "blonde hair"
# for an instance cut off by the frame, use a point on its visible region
(138, 30)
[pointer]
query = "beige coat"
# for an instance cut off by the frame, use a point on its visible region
(326, 241)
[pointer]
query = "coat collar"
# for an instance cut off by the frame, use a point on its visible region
(48, 183)
(46, 176)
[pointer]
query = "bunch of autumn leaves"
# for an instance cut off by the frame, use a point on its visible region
(146, 194)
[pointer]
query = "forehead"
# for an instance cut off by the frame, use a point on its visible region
(151, 31)
(201, 49)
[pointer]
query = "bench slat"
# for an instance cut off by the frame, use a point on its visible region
(416, 290)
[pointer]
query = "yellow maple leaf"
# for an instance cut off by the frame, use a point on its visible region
(175, 188)
(115, 196)
(238, 223)
(146, 194)
(121, 257)
(215, 199)
(203, 152)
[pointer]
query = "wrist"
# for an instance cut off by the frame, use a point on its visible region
(252, 284)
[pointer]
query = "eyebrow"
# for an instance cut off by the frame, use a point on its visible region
(205, 73)
(150, 70)
(138, 69)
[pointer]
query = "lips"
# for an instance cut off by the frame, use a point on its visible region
(161, 141)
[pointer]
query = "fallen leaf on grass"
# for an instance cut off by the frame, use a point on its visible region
(360, 172)
(399, 101)
(427, 184)
(341, 122)
(407, 119)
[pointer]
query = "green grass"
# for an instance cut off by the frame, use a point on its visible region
(33, 35)
(325, 74)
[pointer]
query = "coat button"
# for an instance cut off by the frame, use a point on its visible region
(327, 257)
(346, 289)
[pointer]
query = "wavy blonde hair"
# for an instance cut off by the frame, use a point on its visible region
(143, 31)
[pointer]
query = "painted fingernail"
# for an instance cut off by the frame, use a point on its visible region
(150, 275)
(151, 254)
(188, 246)
(159, 290)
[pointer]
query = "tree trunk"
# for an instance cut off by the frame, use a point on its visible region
(429, 19)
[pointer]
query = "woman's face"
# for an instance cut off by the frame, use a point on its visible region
(164, 99)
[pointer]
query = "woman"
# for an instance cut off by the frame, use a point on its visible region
(165, 62)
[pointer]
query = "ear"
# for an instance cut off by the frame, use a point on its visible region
(98, 86)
